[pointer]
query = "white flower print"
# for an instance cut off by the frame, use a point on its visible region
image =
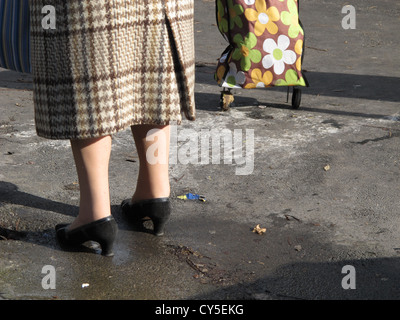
(249, 2)
(234, 79)
(277, 55)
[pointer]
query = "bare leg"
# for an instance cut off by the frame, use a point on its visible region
(153, 179)
(92, 160)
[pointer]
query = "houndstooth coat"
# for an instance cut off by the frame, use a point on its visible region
(111, 64)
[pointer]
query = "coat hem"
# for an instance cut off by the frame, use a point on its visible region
(104, 134)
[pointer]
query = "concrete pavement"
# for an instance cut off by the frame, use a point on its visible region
(325, 183)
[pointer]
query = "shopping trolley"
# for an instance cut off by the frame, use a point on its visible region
(266, 47)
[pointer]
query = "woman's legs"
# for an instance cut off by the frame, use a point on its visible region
(92, 158)
(92, 161)
(153, 151)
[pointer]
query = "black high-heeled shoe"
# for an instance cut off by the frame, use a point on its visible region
(158, 210)
(103, 231)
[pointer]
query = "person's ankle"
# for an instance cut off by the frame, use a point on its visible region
(81, 221)
(151, 195)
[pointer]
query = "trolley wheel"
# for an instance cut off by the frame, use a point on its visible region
(296, 98)
(226, 100)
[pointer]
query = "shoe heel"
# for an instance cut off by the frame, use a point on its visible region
(158, 226)
(106, 237)
(160, 213)
(107, 248)
(158, 210)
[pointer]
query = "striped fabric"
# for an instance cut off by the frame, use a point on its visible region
(14, 35)
(109, 65)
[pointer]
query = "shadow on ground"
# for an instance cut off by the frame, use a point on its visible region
(376, 279)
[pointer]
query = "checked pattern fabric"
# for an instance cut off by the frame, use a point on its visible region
(111, 64)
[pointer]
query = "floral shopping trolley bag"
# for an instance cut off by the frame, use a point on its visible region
(266, 44)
